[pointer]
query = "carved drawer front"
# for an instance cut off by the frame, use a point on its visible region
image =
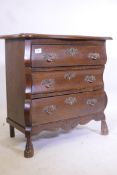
(67, 55)
(56, 108)
(66, 80)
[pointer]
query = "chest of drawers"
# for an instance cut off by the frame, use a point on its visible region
(54, 82)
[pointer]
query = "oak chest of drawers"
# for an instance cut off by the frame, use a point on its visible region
(54, 82)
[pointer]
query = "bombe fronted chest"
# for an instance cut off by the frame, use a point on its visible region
(54, 81)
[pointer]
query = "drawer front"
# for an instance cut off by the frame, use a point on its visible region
(67, 55)
(57, 108)
(57, 81)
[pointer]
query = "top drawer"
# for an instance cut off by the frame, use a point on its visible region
(67, 55)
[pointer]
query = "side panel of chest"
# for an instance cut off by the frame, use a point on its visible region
(15, 80)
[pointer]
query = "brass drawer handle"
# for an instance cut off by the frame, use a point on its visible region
(94, 56)
(92, 101)
(50, 109)
(49, 57)
(72, 51)
(90, 78)
(70, 100)
(49, 83)
(69, 75)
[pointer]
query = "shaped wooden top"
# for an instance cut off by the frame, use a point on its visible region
(46, 36)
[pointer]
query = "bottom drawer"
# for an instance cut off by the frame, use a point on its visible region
(57, 108)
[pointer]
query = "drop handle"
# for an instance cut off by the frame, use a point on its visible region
(90, 78)
(91, 102)
(50, 109)
(49, 57)
(50, 60)
(48, 83)
(94, 56)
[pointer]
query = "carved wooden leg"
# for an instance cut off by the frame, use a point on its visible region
(29, 151)
(104, 127)
(12, 131)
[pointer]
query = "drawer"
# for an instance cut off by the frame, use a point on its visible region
(57, 108)
(57, 81)
(67, 55)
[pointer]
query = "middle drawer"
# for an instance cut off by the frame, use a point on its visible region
(57, 81)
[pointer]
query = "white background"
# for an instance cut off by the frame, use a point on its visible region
(78, 17)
